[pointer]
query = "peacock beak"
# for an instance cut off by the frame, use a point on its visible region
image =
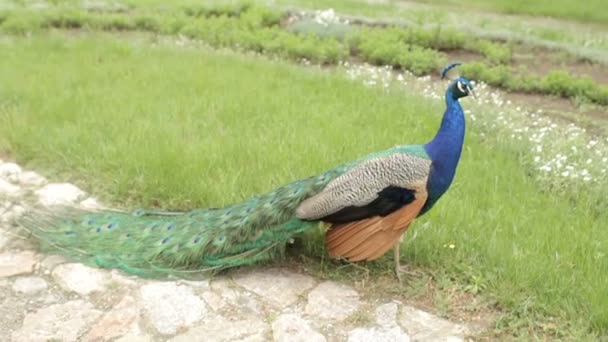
(471, 91)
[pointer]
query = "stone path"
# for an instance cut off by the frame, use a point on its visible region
(48, 298)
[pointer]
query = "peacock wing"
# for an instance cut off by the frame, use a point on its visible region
(371, 238)
(370, 205)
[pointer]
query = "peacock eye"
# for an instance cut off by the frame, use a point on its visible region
(462, 87)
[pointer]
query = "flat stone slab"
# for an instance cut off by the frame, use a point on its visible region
(226, 294)
(14, 263)
(10, 172)
(121, 320)
(386, 315)
(32, 179)
(4, 239)
(29, 285)
(378, 335)
(220, 329)
(80, 278)
(10, 213)
(60, 322)
(387, 329)
(293, 328)
(59, 193)
(425, 327)
(90, 203)
(171, 307)
(7, 189)
(332, 301)
(277, 286)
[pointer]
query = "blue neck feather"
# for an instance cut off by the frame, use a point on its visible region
(444, 150)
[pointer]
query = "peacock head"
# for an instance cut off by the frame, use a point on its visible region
(461, 86)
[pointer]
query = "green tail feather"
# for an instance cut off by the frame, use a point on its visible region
(155, 243)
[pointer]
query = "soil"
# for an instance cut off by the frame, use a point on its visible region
(541, 61)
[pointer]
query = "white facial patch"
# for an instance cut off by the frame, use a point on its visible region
(461, 87)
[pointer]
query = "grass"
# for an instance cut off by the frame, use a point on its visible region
(592, 11)
(252, 28)
(158, 126)
(583, 40)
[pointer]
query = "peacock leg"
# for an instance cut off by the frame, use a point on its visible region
(399, 270)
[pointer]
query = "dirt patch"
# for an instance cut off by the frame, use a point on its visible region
(593, 118)
(464, 56)
(541, 61)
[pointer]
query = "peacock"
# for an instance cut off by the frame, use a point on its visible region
(368, 204)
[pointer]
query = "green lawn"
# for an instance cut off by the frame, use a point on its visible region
(593, 11)
(587, 11)
(142, 125)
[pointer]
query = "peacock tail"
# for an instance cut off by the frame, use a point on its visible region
(154, 243)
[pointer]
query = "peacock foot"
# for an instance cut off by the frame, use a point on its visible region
(401, 270)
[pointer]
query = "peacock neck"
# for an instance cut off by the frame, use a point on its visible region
(450, 136)
(445, 149)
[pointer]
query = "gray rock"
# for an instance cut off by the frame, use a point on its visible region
(170, 307)
(124, 279)
(388, 330)
(63, 322)
(13, 263)
(386, 315)
(12, 311)
(90, 203)
(213, 300)
(292, 328)
(59, 193)
(232, 295)
(279, 287)
(378, 335)
(121, 320)
(8, 189)
(31, 178)
(423, 326)
(11, 212)
(49, 262)
(29, 285)
(220, 329)
(80, 278)
(198, 284)
(4, 239)
(134, 338)
(332, 301)
(10, 172)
